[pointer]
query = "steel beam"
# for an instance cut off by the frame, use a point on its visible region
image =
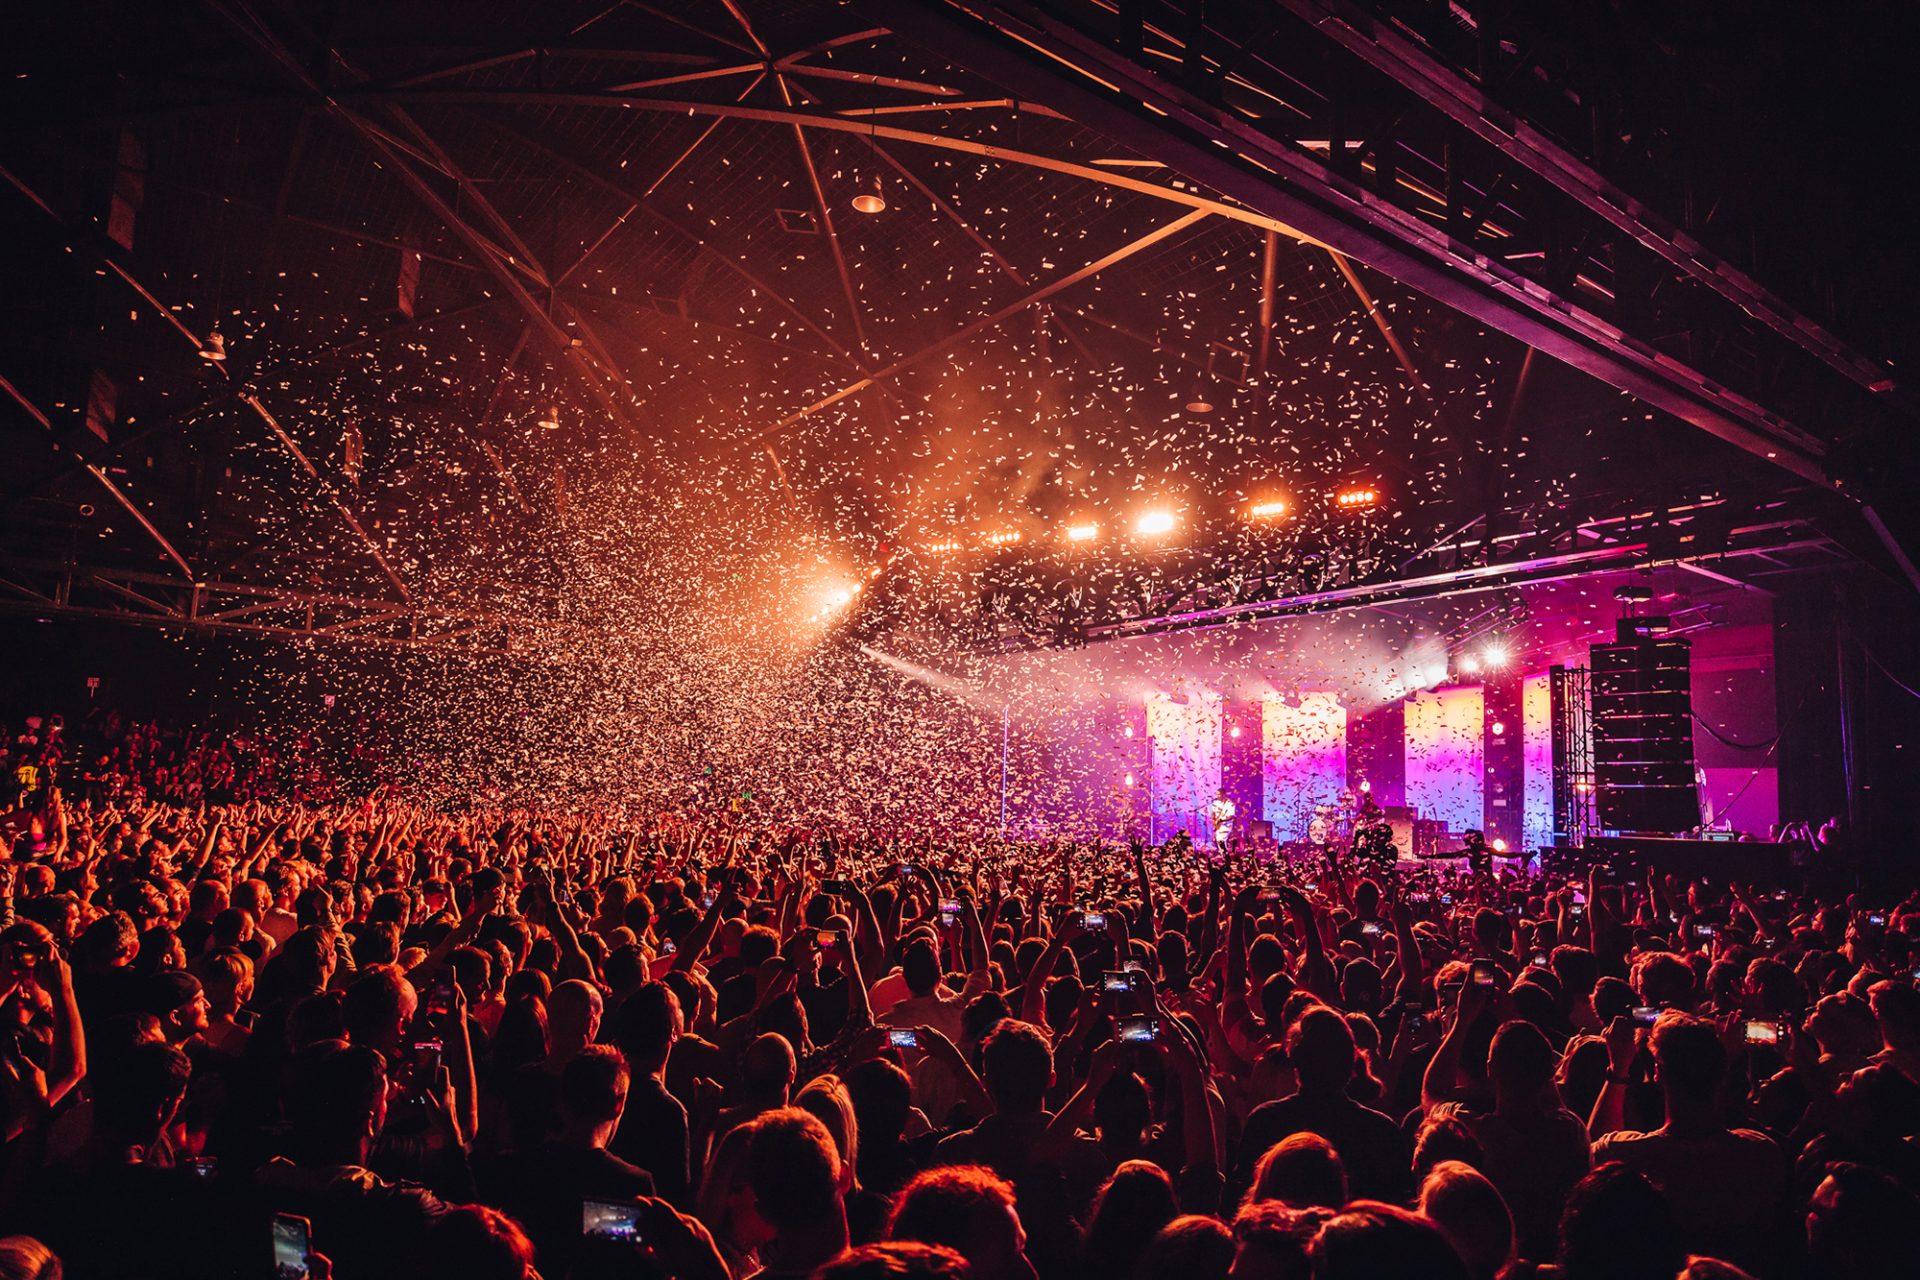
(1034, 53)
(52, 588)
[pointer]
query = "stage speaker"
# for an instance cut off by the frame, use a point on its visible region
(1642, 716)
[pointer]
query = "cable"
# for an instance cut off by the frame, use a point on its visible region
(1725, 741)
(1901, 684)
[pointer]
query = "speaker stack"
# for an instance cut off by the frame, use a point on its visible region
(1642, 707)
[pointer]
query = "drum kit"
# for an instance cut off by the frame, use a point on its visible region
(1351, 826)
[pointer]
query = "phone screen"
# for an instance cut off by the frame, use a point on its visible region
(1761, 1032)
(1139, 1029)
(607, 1220)
(1116, 980)
(1645, 1014)
(903, 1038)
(826, 939)
(292, 1242)
(1093, 920)
(1484, 973)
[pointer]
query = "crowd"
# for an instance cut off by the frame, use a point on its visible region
(364, 1039)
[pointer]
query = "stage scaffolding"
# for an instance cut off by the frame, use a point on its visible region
(1573, 819)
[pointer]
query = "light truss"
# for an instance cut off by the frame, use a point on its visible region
(1731, 545)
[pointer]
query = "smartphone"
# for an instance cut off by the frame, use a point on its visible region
(1136, 1029)
(668, 947)
(949, 910)
(1370, 929)
(610, 1220)
(839, 888)
(1310, 887)
(440, 994)
(1541, 960)
(204, 1166)
(1762, 1032)
(1646, 1015)
(903, 868)
(292, 1246)
(903, 1038)
(707, 900)
(1413, 1008)
(1484, 973)
(1268, 896)
(1577, 909)
(1878, 919)
(826, 939)
(423, 1065)
(1704, 932)
(1091, 920)
(1446, 899)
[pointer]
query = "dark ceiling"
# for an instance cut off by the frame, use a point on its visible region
(476, 272)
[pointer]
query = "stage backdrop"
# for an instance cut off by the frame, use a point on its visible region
(1304, 750)
(1185, 732)
(1446, 756)
(1536, 760)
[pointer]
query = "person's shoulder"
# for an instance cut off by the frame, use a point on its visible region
(1756, 1142)
(1620, 1142)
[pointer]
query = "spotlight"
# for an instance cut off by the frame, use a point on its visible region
(1006, 537)
(1234, 732)
(214, 349)
(1499, 728)
(1468, 663)
(1082, 532)
(874, 201)
(1198, 401)
(1154, 523)
(1366, 785)
(1129, 779)
(1499, 844)
(1128, 731)
(1358, 498)
(551, 421)
(1272, 510)
(1496, 654)
(942, 548)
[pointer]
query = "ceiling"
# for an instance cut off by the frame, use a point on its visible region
(498, 311)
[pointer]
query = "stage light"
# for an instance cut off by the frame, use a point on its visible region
(1154, 523)
(1129, 779)
(942, 548)
(1005, 538)
(1082, 532)
(1366, 785)
(214, 349)
(1499, 728)
(1499, 844)
(1128, 731)
(1468, 663)
(1356, 499)
(1272, 510)
(1496, 654)
(550, 421)
(1234, 732)
(874, 201)
(1198, 401)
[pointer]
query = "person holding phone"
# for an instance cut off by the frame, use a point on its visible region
(542, 1186)
(1728, 1186)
